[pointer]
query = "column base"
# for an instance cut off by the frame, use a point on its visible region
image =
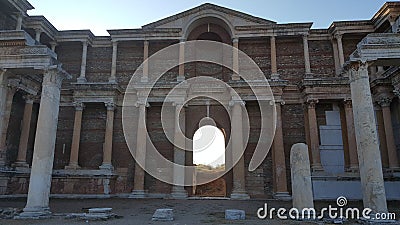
(308, 76)
(106, 166)
(138, 194)
(353, 169)
(35, 213)
(275, 76)
(20, 164)
(283, 196)
(112, 80)
(317, 168)
(180, 78)
(240, 196)
(144, 79)
(179, 193)
(81, 80)
(72, 167)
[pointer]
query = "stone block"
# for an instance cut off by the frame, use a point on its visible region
(235, 214)
(163, 215)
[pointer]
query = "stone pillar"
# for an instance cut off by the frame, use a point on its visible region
(235, 67)
(113, 78)
(76, 137)
(141, 142)
(306, 57)
(108, 141)
(338, 68)
(301, 178)
(20, 17)
(278, 157)
(340, 48)
(53, 46)
(145, 76)
(43, 156)
(82, 76)
(7, 95)
(314, 136)
(351, 136)
(239, 181)
(274, 67)
(390, 142)
(25, 130)
(38, 33)
(181, 76)
(179, 192)
(381, 136)
(369, 158)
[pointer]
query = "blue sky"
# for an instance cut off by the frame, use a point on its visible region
(100, 15)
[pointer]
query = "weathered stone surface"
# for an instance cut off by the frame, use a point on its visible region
(301, 177)
(235, 214)
(163, 215)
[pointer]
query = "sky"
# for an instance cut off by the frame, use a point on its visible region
(100, 15)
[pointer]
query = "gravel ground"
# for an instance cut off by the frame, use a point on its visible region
(190, 212)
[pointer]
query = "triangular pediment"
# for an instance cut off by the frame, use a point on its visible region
(236, 18)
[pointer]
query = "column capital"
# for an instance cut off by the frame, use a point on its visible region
(312, 102)
(53, 76)
(110, 106)
(79, 106)
(235, 40)
(338, 36)
(348, 103)
(146, 43)
(280, 102)
(358, 70)
(234, 102)
(114, 43)
(29, 98)
(142, 102)
(305, 36)
(85, 43)
(182, 40)
(384, 101)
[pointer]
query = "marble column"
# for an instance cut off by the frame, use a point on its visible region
(338, 68)
(145, 76)
(274, 67)
(181, 76)
(141, 142)
(351, 136)
(239, 180)
(82, 76)
(384, 102)
(7, 95)
(179, 192)
(381, 136)
(369, 157)
(235, 67)
(53, 46)
(20, 17)
(314, 136)
(25, 130)
(306, 57)
(113, 78)
(38, 33)
(76, 137)
(42, 163)
(108, 141)
(340, 48)
(278, 157)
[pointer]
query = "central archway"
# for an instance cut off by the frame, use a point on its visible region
(209, 158)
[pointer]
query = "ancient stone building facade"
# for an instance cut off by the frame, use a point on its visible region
(85, 77)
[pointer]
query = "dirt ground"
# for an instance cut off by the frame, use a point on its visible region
(189, 212)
